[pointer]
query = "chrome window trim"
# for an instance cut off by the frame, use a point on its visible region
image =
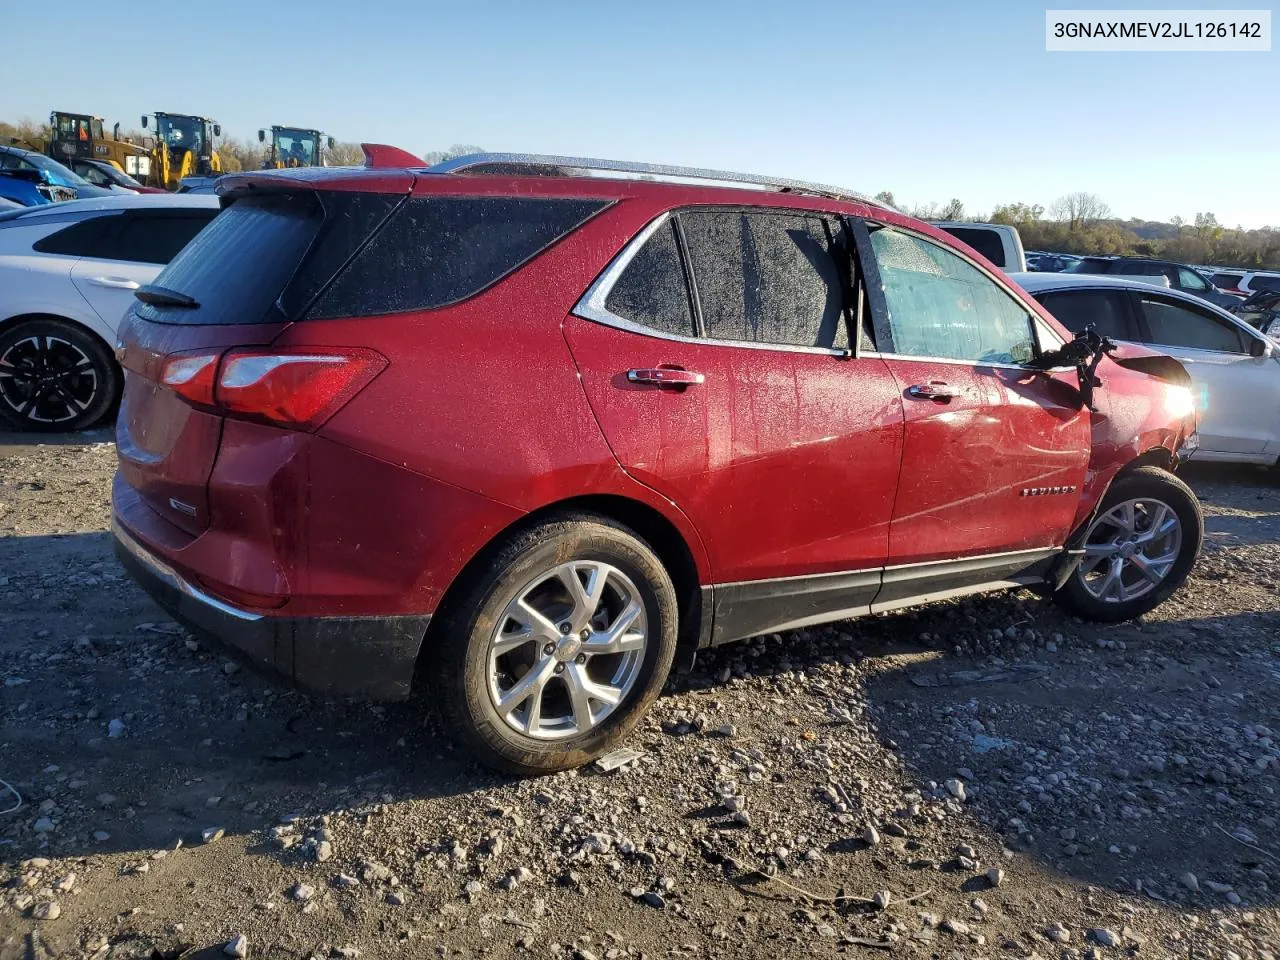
(591, 306)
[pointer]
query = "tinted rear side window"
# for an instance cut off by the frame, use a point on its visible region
(1229, 280)
(767, 278)
(986, 242)
(652, 290)
(237, 267)
(1107, 310)
(155, 239)
(435, 251)
(85, 238)
(1264, 283)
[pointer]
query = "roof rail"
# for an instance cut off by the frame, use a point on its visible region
(537, 165)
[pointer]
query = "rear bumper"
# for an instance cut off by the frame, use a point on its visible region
(368, 657)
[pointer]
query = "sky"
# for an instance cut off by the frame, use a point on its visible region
(928, 100)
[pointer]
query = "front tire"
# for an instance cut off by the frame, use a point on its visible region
(1139, 549)
(55, 376)
(557, 646)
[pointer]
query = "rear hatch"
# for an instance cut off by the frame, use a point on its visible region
(254, 270)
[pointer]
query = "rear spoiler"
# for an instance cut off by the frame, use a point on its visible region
(382, 155)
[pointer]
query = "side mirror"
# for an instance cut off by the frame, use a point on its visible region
(262, 136)
(217, 130)
(1258, 348)
(144, 122)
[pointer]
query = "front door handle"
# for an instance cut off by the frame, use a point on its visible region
(934, 390)
(115, 283)
(665, 377)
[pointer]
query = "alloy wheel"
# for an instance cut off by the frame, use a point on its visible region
(567, 650)
(1130, 550)
(47, 379)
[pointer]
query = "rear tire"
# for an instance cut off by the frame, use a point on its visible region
(55, 376)
(1140, 548)
(538, 676)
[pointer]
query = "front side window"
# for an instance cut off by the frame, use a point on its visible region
(652, 290)
(765, 277)
(1107, 310)
(940, 305)
(1179, 325)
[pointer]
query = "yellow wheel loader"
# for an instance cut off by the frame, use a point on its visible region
(294, 147)
(183, 148)
(80, 136)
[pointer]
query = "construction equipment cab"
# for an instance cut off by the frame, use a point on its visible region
(80, 136)
(183, 147)
(294, 147)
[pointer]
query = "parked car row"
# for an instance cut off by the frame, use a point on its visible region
(28, 178)
(732, 406)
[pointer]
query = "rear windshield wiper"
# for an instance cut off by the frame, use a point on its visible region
(164, 297)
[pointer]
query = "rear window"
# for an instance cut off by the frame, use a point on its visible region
(986, 242)
(237, 267)
(1264, 283)
(1090, 265)
(435, 251)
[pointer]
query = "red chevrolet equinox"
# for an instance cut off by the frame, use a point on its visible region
(527, 431)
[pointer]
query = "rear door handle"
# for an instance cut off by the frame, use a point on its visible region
(934, 390)
(665, 377)
(115, 283)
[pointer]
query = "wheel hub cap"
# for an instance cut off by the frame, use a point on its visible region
(567, 650)
(1130, 550)
(47, 379)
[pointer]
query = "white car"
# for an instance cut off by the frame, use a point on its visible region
(1234, 369)
(998, 242)
(67, 275)
(1259, 280)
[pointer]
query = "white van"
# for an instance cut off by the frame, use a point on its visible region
(998, 242)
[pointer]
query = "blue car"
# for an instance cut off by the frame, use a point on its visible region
(31, 178)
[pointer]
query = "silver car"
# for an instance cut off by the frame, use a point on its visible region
(1235, 369)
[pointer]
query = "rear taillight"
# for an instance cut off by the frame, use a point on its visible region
(191, 376)
(299, 388)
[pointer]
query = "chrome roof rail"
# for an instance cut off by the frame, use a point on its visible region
(536, 165)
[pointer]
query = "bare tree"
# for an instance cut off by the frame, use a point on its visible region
(953, 210)
(457, 150)
(344, 154)
(1080, 210)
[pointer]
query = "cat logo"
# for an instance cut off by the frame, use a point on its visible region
(1045, 491)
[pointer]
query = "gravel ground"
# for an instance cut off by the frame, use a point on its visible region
(970, 779)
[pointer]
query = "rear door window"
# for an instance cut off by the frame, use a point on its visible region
(435, 251)
(1175, 324)
(1107, 310)
(765, 277)
(941, 306)
(85, 238)
(652, 290)
(986, 242)
(1227, 280)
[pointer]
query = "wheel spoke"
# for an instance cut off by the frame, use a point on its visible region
(582, 690)
(1147, 568)
(1112, 580)
(586, 598)
(1127, 517)
(618, 638)
(523, 613)
(527, 686)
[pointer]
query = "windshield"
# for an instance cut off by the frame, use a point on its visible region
(55, 172)
(183, 133)
(296, 147)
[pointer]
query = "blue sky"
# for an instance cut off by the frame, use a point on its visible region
(929, 100)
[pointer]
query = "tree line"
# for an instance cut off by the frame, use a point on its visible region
(1082, 223)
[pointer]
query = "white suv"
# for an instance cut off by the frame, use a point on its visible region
(67, 276)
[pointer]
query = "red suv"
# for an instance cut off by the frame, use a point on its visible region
(531, 429)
